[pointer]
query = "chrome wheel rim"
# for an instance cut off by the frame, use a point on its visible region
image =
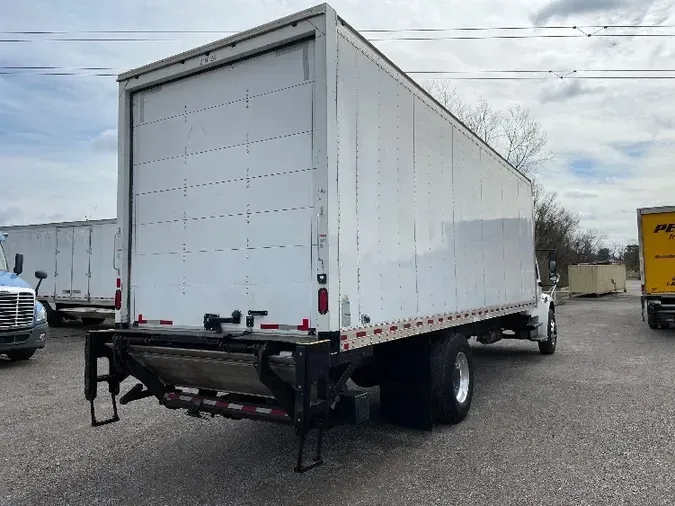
(554, 332)
(461, 377)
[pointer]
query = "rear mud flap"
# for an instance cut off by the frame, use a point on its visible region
(405, 393)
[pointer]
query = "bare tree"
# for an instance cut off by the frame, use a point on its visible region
(556, 227)
(486, 122)
(515, 134)
(447, 96)
(525, 140)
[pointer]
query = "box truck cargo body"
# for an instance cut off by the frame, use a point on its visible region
(295, 211)
(78, 256)
(656, 235)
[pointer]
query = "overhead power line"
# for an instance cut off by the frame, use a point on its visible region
(421, 72)
(467, 75)
(89, 39)
(365, 30)
(433, 34)
(494, 37)
(525, 71)
(371, 39)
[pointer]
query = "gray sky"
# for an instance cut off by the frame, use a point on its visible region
(613, 141)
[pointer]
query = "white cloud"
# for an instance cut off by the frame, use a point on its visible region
(57, 133)
(563, 9)
(106, 141)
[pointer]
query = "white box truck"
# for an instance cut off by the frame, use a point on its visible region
(78, 256)
(295, 211)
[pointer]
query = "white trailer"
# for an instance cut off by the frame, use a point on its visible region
(295, 211)
(78, 257)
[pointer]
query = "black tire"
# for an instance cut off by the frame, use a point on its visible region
(18, 355)
(450, 360)
(548, 347)
(92, 321)
(653, 324)
(54, 318)
(365, 377)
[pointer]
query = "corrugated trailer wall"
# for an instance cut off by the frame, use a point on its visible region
(77, 256)
(431, 222)
(38, 246)
(596, 279)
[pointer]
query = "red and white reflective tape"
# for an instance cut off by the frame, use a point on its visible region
(143, 321)
(244, 408)
(351, 339)
(304, 326)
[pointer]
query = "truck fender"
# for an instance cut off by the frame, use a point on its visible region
(546, 304)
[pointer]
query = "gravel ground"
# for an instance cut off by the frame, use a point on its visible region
(592, 424)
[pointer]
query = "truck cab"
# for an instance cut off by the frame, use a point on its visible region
(23, 319)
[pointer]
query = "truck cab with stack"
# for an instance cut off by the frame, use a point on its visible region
(23, 319)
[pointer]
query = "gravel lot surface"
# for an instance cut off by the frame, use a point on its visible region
(592, 424)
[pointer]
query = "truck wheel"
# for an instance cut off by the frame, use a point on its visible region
(17, 355)
(548, 347)
(54, 318)
(451, 365)
(651, 321)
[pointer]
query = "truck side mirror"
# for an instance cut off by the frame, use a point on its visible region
(40, 275)
(18, 264)
(553, 275)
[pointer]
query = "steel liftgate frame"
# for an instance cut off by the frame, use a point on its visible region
(304, 405)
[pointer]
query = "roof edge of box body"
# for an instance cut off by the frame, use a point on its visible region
(312, 12)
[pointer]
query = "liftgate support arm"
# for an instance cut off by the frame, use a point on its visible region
(97, 345)
(312, 369)
(308, 400)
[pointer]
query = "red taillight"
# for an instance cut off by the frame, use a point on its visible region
(118, 295)
(642, 287)
(323, 300)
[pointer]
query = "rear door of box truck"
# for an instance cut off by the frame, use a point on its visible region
(657, 240)
(222, 193)
(72, 262)
(64, 262)
(101, 264)
(81, 253)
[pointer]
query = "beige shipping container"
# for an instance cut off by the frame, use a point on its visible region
(593, 279)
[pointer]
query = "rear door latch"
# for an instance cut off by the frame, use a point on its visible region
(214, 321)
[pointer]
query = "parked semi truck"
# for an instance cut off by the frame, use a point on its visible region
(80, 255)
(656, 238)
(23, 319)
(294, 211)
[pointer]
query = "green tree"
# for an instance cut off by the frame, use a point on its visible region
(631, 257)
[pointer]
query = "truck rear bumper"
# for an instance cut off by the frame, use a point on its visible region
(660, 309)
(31, 338)
(283, 380)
